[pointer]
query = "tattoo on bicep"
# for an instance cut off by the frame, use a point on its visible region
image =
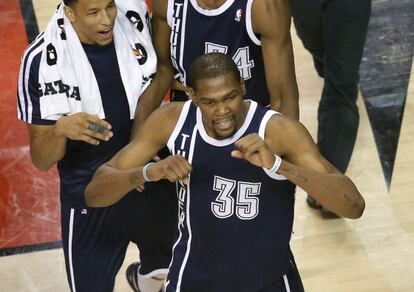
(287, 171)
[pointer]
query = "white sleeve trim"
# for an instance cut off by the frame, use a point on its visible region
(249, 26)
(262, 131)
(178, 126)
(23, 87)
(170, 12)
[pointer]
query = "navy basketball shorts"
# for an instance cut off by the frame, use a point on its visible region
(95, 239)
(290, 282)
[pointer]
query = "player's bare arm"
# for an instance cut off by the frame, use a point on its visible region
(48, 143)
(302, 164)
(124, 172)
(306, 167)
(152, 97)
(271, 19)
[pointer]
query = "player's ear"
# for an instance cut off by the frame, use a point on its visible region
(69, 13)
(192, 95)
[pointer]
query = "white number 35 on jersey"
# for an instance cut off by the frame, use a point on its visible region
(246, 206)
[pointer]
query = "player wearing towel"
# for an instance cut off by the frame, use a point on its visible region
(80, 122)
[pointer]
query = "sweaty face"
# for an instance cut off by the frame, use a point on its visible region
(220, 100)
(93, 20)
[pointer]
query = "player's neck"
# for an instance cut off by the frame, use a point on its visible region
(210, 4)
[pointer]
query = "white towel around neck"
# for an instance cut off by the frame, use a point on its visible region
(64, 63)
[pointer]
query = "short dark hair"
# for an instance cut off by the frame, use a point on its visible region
(69, 2)
(212, 65)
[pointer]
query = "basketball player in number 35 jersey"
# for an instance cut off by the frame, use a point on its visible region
(236, 164)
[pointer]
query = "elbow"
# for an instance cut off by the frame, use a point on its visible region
(41, 165)
(96, 192)
(357, 209)
(90, 197)
(96, 198)
(40, 162)
(87, 197)
(361, 208)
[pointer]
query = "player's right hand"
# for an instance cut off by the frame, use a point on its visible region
(173, 168)
(83, 127)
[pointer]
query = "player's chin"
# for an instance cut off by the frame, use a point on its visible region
(225, 133)
(104, 39)
(103, 43)
(225, 130)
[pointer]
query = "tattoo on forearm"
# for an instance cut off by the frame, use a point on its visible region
(302, 178)
(288, 172)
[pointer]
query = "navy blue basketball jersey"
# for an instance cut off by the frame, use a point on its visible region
(235, 219)
(227, 29)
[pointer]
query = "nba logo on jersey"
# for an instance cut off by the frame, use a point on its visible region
(84, 211)
(239, 14)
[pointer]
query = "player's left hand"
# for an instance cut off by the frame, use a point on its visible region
(253, 149)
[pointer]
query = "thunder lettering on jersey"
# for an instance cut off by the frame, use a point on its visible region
(235, 220)
(227, 29)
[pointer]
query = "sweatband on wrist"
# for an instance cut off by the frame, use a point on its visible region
(276, 165)
(144, 172)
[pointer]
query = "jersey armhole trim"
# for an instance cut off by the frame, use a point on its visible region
(170, 12)
(249, 26)
(24, 98)
(262, 130)
(178, 126)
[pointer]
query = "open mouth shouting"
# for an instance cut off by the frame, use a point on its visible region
(106, 34)
(224, 124)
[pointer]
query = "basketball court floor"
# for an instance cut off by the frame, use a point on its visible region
(373, 253)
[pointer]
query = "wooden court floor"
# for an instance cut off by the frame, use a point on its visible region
(373, 253)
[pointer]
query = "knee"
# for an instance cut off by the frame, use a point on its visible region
(340, 91)
(338, 107)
